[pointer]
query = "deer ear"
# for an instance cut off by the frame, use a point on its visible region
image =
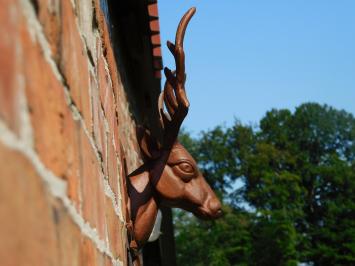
(148, 144)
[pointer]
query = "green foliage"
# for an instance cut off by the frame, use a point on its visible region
(222, 242)
(297, 199)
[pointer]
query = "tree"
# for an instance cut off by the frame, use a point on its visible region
(297, 201)
(222, 242)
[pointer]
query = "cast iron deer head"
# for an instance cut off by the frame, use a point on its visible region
(170, 175)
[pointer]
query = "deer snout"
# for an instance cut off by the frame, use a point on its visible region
(215, 208)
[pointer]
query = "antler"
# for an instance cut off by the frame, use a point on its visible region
(174, 95)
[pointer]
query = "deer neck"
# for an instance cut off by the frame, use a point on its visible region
(144, 205)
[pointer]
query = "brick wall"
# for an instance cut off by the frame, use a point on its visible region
(65, 129)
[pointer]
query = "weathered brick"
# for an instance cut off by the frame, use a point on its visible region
(49, 15)
(108, 262)
(90, 255)
(113, 169)
(104, 140)
(26, 227)
(113, 138)
(123, 184)
(89, 72)
(74, 61)
(11, 63)
(107, 98)
(99, 131)
(92, 186)
(74, 248)
(95, 107)
(115, 135)
(55, 131)
(36, 229)
(87, 24)
(107, 50)
(68, 236)
(114, 227)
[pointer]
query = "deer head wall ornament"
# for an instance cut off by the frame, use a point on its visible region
(170, 175)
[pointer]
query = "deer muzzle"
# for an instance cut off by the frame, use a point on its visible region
(210, 210)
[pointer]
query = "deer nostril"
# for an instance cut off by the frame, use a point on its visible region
(219, 213)
(215, 207)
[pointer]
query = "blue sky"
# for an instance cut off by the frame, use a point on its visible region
(245, 57)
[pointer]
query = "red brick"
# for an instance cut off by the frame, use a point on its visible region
(107, 50)
(115, 135)
(113, 169)
(96, 110)
(36, 229)
(74, 62)
(107, 96)
(155, 39)
(49, 16)
(99, 131)
(113, 128)
(69, 237)
(123, 184)
(114, 74)
(104, 141)
(88, 253)
(108, 262)
(157, 52)
(154, 25)
(153, 10)
(114, 227)
(157, 74)
(61, 143)
(92, 187)
(75, 248)
(11, 62)
(55, 130)
(105, 87)
(158, 63)
(25, 214)
(110, 115)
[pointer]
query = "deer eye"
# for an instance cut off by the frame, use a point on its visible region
(185, 170)
(186, 167)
